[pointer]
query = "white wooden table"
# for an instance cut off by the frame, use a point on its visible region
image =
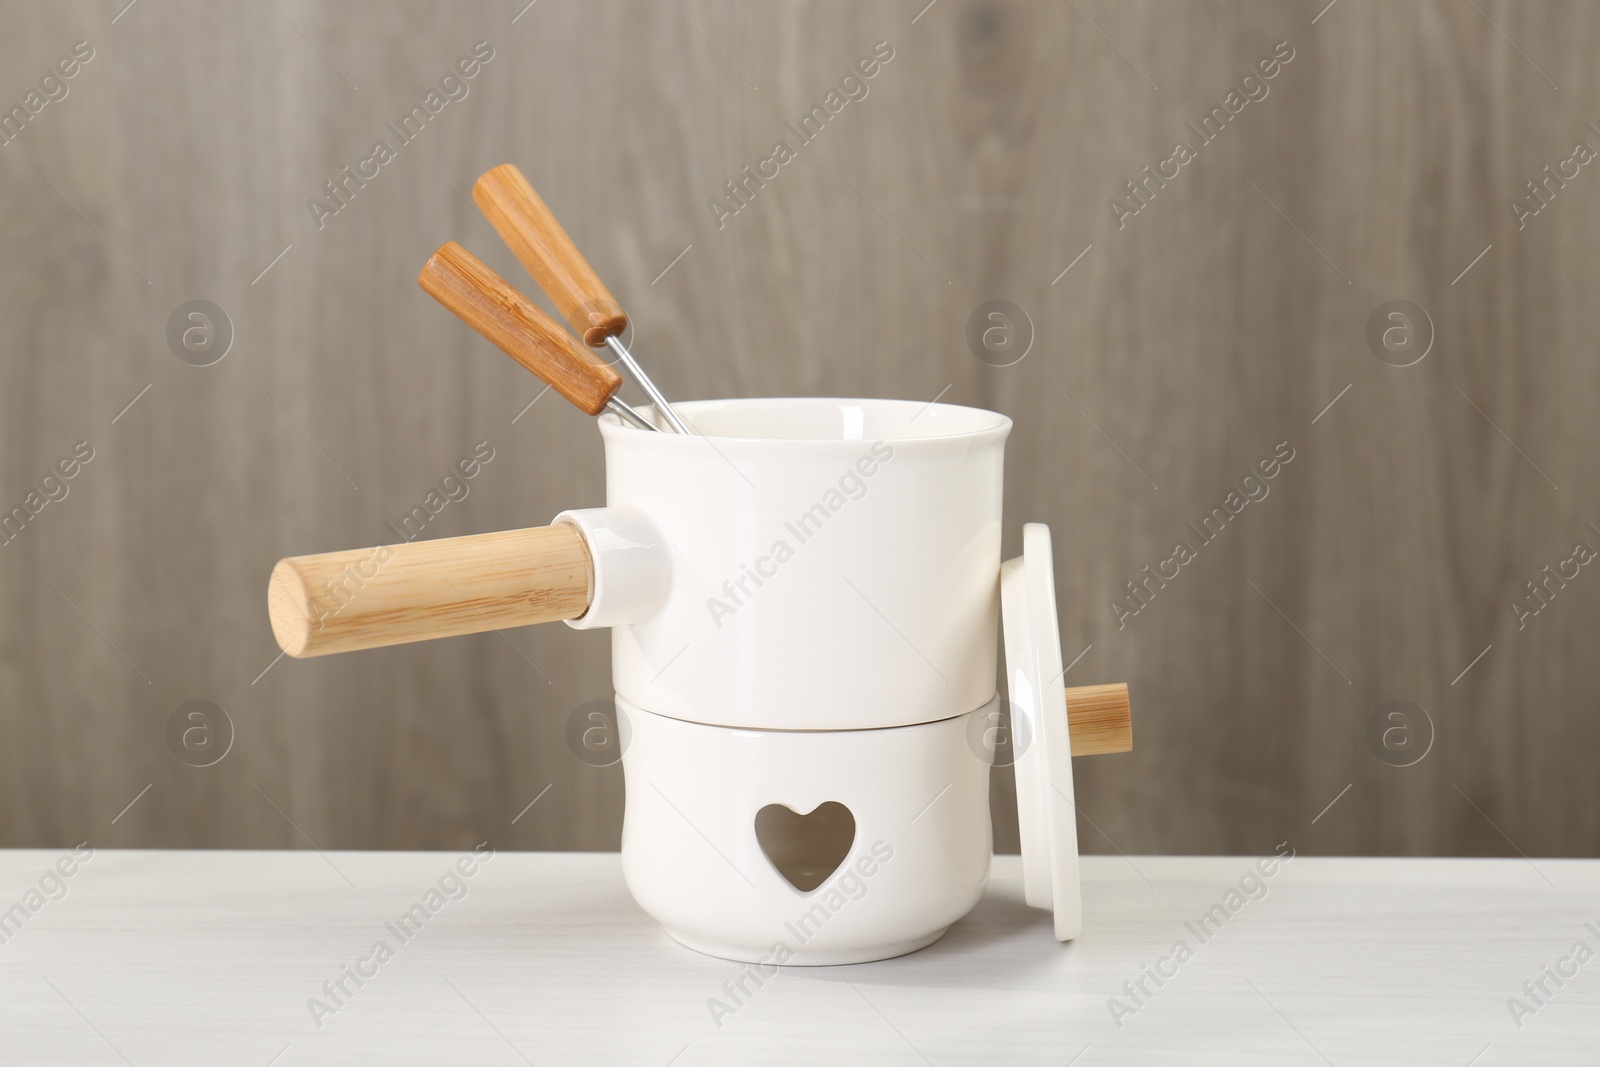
(211, 957)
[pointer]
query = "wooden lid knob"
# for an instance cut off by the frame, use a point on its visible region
(1099, 719)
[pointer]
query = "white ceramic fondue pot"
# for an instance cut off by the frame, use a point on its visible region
(807, 564)
(804, 611)
(804, 599)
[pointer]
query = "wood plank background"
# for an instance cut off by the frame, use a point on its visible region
(1180, 347)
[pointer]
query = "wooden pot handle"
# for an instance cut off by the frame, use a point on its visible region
(1099, 719)
(394, 594)
(531, 231)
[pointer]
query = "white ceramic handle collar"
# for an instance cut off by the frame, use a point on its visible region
(632, 567)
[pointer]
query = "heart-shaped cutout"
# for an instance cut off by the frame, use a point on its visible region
(806, 849)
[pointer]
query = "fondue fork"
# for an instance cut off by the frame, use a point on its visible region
(488, 303)
(531, 231)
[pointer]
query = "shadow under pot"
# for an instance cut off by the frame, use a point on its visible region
(786, 847)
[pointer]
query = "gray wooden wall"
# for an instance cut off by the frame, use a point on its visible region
(1184, 343)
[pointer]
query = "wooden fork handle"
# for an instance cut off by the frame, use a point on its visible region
(487, 302)
(529, 228)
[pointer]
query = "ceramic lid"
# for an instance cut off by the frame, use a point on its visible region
(1046, 812)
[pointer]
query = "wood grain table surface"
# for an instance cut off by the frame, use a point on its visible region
(165, 957)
